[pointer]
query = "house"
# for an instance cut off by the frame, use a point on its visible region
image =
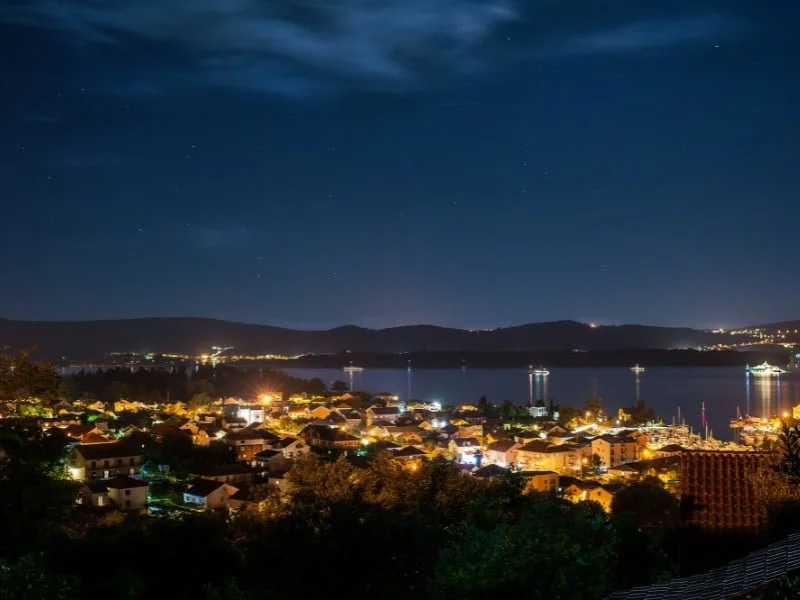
(490, 473)
(319, 413)
(384, 446)
(502, 453)
(95, 438)
(468, 430)
(589, 491)
(322, 436)
(233, 424)
(200, 436)
(127, 493)
(236, 474)
(249, 442)
(103, 461)
(352, 418)
(209, 493)
(614, 450)
(291, 447)
(538, 410)
(165, 430)
(389, 414)
(557, 435)
(665, 451)
(466, 450)
(251, 413)
(334, 419)
(272, 460)
(78, 433)
(93, 493)
(123, 492)
(541, 481)
(298, 412)
(405, 434)
(408, 453)
(540, 455)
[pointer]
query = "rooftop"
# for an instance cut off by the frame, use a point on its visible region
(108, 450)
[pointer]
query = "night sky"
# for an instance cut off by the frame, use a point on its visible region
(387, 162)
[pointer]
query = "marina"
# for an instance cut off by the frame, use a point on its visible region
(675, 393)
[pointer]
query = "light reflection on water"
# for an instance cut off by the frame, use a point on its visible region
(723, 389)
(666, 389)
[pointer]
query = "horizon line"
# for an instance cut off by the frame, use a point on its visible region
(591, 324)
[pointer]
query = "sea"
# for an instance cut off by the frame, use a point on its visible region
(673, 392)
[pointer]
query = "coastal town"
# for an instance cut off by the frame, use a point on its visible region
(113, 448)
(129, 452)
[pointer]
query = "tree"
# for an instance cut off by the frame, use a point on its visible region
(339, 387)
(568, 415)
(28, 578)
(789, 448)
(593, 404)
(640, 413)
(647, 504)
(23, 379)
(595, 463)
(200, 401)
(316, 387)
(557, 551)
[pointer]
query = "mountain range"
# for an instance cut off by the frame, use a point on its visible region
(91, 340)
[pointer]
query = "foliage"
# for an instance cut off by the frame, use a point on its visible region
(640, 413)
(568, 415)
(558, 550)
(29, 578)
(339, 387)
(647, 504)
(36, 500)
(596, 463)
(23, 379)
(789, 448)
(594, 405)
(152, 386)
(183, 457)
(787, 588)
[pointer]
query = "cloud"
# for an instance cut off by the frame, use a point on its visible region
(642, 35)
(285, 46)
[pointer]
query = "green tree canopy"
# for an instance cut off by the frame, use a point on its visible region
(558, 551)
(647, 504)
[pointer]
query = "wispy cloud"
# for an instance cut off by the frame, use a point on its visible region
(643, 35)
(285, 46)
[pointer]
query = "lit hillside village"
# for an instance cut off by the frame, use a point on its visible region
(588, 457)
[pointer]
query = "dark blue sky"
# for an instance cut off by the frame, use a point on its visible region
(384, 162)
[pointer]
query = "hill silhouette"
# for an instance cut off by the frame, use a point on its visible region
(90, 340)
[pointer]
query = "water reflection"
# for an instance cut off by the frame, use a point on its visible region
(539, 388)
(768, 394)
